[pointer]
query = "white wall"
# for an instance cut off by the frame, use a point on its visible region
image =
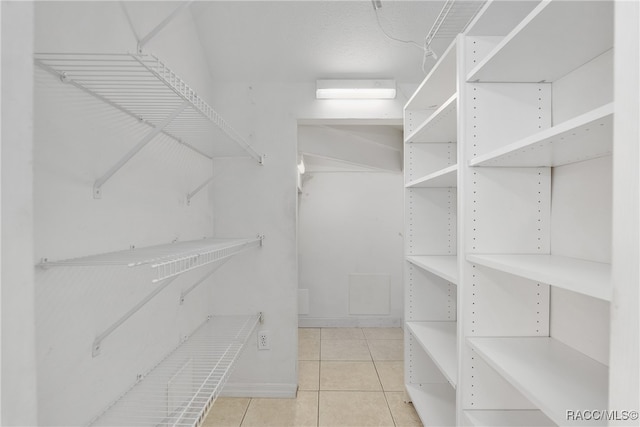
(350, 223)
(581, 212)
(249, 199)
(17, 373)
(76, 139)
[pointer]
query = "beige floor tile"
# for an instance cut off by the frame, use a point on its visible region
(308, 349)
(404, 414)
(348, 376)
(308, 333)
(383, 333)
(391, 373)
(226, 412)
(298, 412)
(386, 349)
(342, 334)
(308, 375)
(353, 408)
(345, 350)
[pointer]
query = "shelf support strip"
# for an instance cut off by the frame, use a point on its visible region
(97, 343)
(97, 187)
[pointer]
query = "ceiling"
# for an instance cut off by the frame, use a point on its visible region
(301, 41)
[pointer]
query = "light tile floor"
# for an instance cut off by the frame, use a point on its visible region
(349, 377)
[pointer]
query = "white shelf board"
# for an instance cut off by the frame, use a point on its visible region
(554, 39)
(439, 85)
(181, 388)
(577, 275)
(507, 418)
(498, 18)
(552, 375)
(445, 266)
(438, 339)
(585, 137)
(434, 403)
(444, 178)
(441, 126)
(168, 260)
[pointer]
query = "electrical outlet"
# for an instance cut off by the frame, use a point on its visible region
(263, 340)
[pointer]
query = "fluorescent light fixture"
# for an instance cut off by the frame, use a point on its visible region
(355, 89)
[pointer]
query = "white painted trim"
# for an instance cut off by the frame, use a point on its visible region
(350, 322)
(269, 390)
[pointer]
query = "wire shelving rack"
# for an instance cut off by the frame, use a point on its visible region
(144, 87)
(167, 260)
(182, 387)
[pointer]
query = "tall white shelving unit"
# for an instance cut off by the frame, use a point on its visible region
(431, 262)
(538, 329)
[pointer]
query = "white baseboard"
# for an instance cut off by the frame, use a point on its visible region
(273, 390)
(349, 322)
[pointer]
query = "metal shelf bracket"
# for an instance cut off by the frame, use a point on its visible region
(143, 41)
(97, 343)
(197, 190)
(97, 187)
(187, 291)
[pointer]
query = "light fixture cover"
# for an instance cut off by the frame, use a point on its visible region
(355, 89)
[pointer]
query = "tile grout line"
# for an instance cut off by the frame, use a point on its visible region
(384, 394)
(371, 359)
(244, 414)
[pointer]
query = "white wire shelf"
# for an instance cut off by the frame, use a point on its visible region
(453, 19)
(144, 87)
(168, 260)
(180, 389)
